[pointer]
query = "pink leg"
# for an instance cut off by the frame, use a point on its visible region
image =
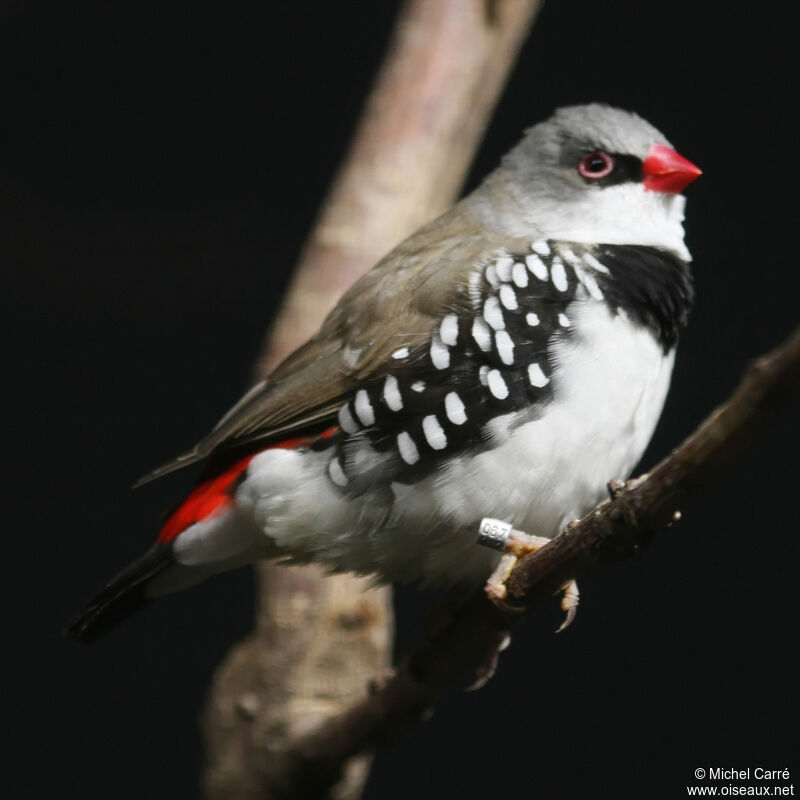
(515, 545)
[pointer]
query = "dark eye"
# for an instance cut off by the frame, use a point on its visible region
(595, 165)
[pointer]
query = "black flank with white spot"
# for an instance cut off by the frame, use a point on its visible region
(519, 309)
(654, 287)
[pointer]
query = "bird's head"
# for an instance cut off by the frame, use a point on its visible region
(592, 174)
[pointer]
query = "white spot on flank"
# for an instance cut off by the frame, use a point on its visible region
(493, 314)
(475, 288)
(541, 247)
(536, 376)
(454, 408)
(520, 275)
(401, 353)
(440, 355)
(391, 394)
(532, 319)
(558, 275)
(505, 347)
(448, 330)
(563, 320)
(483, 375)
(481, 334)
(508, 297)
(591, 285)
(418, 386)
(491, 276)
(537, 267)
(434, 433)
(594, 263)
(336, 472)
(570, 257)
(497, 386)
(408, 450)
(363, 408)
(503, 267)
(346, 421)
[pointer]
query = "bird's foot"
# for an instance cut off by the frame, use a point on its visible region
(517, 545)
(569, 604)
(487, 667)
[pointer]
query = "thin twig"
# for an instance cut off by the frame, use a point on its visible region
(319, 638)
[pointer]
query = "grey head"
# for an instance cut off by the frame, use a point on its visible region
(555, 183)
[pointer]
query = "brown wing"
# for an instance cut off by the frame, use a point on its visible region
(395, 305)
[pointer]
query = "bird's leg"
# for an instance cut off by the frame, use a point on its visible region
(516, 544)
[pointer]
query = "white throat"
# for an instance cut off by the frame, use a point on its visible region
(624, 214)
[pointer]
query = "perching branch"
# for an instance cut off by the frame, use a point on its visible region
(634, 513)
(319, 639)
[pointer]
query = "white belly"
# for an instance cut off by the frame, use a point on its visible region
(610, 382)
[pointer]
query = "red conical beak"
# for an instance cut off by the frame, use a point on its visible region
(667, 171)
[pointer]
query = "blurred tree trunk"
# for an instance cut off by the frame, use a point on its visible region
(319, 640)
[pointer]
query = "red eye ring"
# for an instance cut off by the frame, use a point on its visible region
(596, 165)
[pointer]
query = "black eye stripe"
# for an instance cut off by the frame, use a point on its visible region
(627, 169)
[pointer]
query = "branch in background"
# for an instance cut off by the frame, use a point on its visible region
(318, 639)
(613, 530)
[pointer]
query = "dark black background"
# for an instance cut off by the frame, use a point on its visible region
(160, 165)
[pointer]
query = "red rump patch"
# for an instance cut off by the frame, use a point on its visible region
(206, 500)
(211, 496)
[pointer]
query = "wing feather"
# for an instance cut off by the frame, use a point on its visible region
(395, 305)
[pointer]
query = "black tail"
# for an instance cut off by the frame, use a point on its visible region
(124, 595)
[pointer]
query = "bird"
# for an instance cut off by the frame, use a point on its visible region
(504, 362)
